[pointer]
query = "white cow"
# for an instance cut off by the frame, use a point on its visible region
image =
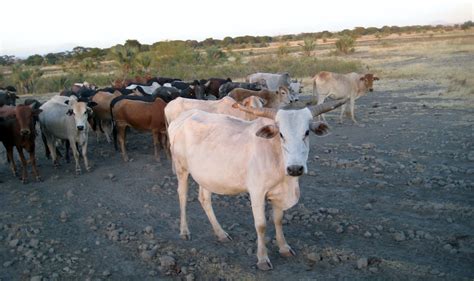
(263, 157)
(65, 118)
(146, 89)
(273, 81)
(342, 86)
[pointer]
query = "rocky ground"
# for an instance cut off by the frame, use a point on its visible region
(389, 199)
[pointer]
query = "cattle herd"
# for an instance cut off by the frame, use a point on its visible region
(239, 129)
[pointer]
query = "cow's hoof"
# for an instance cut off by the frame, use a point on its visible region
(78, 172)
(289, 253)
(88, 169)
(265, 265)
(39, 179)
(24, 181)
(225, 238)
(186, 236)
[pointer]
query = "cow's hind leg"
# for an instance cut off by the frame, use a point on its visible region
(285, 249)
(352, 108)
(121, 138)
(343, 110)
(205, 197)
(11, 160)
(182, 176)
(156, 143)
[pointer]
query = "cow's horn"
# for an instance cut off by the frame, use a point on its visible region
(261, 112)
(325, 107)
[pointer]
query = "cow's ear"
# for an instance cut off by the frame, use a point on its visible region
(267, 132)
(70, 112)
(66, 102)
(36, 112)
(376, 78)
(362, 78)
(91, 104)
(319, 128)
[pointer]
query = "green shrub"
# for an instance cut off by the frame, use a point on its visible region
(345, 44)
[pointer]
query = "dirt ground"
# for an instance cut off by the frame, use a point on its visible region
(391, 199)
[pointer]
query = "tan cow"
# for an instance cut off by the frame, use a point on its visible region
(275, 99)
(341, 86)
(102, 115)
(263, 157)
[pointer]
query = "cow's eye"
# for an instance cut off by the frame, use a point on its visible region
(306, 133)
(281, 136)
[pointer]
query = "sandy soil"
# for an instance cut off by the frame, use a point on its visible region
(388, 200)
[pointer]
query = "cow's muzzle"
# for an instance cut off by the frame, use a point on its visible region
(80, 128)
(25, 132)
(295, 170)
(371, 90)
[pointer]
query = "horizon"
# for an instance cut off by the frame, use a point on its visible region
(42, 35)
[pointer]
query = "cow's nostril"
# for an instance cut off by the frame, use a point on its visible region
(371, 90)
(25, 132)
(80, 128)
(295, 170)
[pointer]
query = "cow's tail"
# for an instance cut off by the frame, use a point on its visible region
(114, 127)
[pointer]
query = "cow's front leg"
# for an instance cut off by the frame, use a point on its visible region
(121, 138)
(285, 249)
(33, 164)
(24, 173)
(205, 197)
(352, 108)
(343, 110)
(182, 176)
(75, 153)
(84, 155)
(258, 209)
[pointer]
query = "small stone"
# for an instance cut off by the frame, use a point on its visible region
(69, 194)
(7, 263)
(167, 262)
(373, 269)
(190, 277)
(367, 234)
(434, 271)
(149, 229)
(362, 263)
(152, 273)
(111, 176)
(340, 229)
(313, 257)
(106, 273)
(379, 227)
(34, 243)
(448, 247)
(63, 216)
(333, 211)
(399, 236)
(368, 206)
(36, 278)
(470, 156)
(14, 243)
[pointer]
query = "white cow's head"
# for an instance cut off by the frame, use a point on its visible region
(293, 128)
(80, 111)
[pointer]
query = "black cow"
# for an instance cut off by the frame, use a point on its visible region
(7, 97)
(213, 84)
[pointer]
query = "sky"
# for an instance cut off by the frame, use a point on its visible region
(42, 26)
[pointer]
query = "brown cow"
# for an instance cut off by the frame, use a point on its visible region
(274, 99)
(213, 84)
(17, 130)
(101, 111)
(140, 115)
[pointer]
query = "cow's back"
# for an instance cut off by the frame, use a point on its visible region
(334, 85)
(54, 120)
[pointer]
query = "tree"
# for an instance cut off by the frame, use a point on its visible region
(467, 25)
(345, 44)
(308, 46)
(132, 43)
(34, 60)
(26, 79)
(214, 54)
(7, 60)
(87, 64)
(51, 58)
(283, 50)
(144, 61)
(125, 58)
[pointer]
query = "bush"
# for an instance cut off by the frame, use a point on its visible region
(345, 44)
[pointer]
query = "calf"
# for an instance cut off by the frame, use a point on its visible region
(229, 86)
(342, 86)
(102, 115)
(274, 99)
(142, 115)
(65, 118)
(17, 130)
